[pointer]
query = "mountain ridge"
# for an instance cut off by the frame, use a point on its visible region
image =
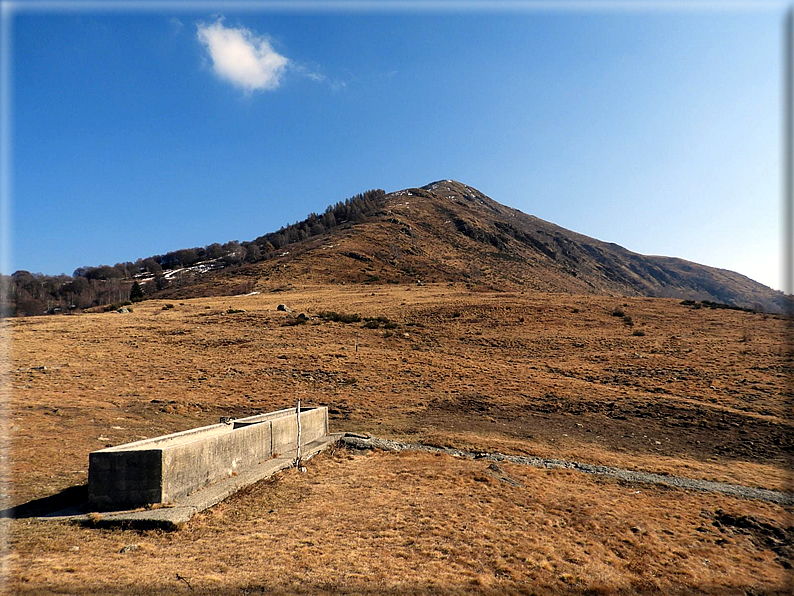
(447, 231)
(444, 231)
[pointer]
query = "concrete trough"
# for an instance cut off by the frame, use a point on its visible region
(165, 469)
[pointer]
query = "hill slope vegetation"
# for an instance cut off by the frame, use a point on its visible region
(445, 231)
(450, 232)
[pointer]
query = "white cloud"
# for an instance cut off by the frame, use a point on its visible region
(242, 58)
(176, 25)
(317, 77)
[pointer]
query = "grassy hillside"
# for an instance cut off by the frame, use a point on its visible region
(639, 383)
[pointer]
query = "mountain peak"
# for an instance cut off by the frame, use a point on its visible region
(445, 232)
(452, 187)
(450, 183)
(449, 231)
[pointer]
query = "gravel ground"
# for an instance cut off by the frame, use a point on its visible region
(364, 442)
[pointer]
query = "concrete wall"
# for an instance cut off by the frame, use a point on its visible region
(166, 468)
(314, 425)
(189, 466)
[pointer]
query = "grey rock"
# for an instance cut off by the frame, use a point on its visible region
(631, 476)
(358, 436)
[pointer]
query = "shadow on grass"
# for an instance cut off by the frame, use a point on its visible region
(72, 499)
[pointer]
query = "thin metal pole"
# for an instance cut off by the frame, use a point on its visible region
(298, 456)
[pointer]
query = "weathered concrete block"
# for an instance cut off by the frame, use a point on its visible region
(191, 465)
(124, 477)
(166, 468)
(314, 425)
(284, 427)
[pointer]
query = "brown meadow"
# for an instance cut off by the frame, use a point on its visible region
(699, 393)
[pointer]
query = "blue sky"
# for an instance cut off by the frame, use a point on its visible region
(136, 133)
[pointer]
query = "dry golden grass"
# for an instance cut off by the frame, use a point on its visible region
(387, 523)
(702, 394)
(753, 474)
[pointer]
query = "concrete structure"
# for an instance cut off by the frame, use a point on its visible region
(168, 468)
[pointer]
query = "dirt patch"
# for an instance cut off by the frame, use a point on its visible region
(764, 533)
(656, 425)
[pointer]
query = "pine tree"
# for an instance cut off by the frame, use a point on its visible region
(136, 292)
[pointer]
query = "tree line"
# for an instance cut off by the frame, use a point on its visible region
(351, 211)
(27, 294)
